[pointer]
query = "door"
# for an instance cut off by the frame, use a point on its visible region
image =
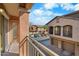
(55, 42)
(69, 46)
(1, 34)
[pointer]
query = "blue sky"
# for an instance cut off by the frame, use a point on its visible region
(42, 13)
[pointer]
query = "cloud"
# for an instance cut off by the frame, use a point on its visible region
(67, 6)
(77, 7)
(38, 12)
(42, 12)
(50, 5)
(47, 13)
(43, 15)
(40, 20)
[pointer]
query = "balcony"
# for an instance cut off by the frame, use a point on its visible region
(36, 48)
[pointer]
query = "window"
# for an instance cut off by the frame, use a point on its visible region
(67, 31)
(50, 30)
(57, 30)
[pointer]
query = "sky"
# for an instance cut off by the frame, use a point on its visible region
(42, 13)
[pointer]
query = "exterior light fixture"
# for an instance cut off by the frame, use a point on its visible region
(3, 13)
(1, 10)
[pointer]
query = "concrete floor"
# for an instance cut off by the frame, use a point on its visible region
(13, 49)
(9, 54)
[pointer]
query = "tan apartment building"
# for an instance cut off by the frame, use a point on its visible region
(14, 27)
(63, 32)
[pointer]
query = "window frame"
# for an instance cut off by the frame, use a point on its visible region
(69, 32)
(50, 31)
(59, 30)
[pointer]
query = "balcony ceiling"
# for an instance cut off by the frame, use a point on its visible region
(13, 8)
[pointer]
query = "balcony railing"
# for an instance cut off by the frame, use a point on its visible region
(35, 48)
(38, 49)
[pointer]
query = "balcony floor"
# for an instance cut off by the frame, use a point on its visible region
(9, 54)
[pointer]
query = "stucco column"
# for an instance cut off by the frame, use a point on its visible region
(24, 30)
(61, 30)
(53, 30)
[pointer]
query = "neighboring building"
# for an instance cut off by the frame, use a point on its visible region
(42, 31)
(63, 31)
(33, 28)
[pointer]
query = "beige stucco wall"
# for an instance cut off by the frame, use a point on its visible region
(65, 21)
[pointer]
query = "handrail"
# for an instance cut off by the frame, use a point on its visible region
(50, 52)
(23, 41)
(36, 47)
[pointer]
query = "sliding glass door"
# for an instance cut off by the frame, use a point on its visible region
(1, 34)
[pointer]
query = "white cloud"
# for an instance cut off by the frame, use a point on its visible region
(42, 16)
(41, 12)
(77, 7)
(67, 6)
(41, 20)
(50, 5)
(47, 13)
(38, 12)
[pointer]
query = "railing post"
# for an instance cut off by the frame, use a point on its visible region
(28, 46)
(33, 51)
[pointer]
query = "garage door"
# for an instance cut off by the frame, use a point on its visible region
(51, 40)
(68, 46)
(55, 42)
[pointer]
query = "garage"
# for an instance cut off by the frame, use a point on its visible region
(68, 46)
(55, 42)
